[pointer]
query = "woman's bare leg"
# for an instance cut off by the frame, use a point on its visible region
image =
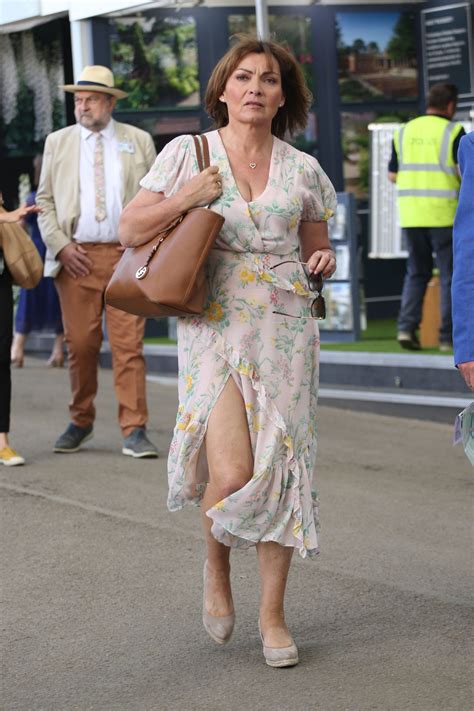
(230, 461)
(274, 562)
(18, 348)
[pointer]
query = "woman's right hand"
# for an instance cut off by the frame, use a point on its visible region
(19, 213)
(148, 213)
(203, 188)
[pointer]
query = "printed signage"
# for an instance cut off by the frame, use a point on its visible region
(447, 47)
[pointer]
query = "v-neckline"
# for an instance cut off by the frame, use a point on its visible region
(259, 197)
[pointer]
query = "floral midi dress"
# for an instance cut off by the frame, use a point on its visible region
(273, 358)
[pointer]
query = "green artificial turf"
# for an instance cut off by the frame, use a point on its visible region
(162, 340)
(380, 337)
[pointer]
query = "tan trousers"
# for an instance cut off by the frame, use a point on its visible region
(82, 305)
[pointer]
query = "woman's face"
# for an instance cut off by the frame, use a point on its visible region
(253, 92)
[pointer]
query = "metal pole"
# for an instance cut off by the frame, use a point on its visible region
(261, 11)
(81, 45)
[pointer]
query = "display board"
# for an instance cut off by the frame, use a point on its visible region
(341, 292)
(447, 47)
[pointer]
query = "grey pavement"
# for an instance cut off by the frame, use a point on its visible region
(101, 586)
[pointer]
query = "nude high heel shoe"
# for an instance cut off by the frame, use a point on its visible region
(218, 628)
(17, 361)
(279, 656)
(55, 360)
(17, 350)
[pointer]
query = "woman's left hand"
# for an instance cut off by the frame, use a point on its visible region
(322, 261)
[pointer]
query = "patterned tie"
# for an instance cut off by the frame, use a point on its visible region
(99, 179)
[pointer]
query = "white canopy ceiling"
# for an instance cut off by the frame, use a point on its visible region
(17, 15)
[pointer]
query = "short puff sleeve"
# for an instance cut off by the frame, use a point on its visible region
(319, 196)
(173, 167)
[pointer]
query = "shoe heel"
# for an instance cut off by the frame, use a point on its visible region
(279, 657)
(55, 362)
(17, 362)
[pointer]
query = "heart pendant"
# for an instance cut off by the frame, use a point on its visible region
(252, 165)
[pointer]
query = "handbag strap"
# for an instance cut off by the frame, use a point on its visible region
(203, 159)
(201, 146)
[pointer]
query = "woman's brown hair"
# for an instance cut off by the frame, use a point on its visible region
(292, 115)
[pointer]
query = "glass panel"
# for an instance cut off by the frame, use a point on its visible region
(155, 60)
(163, 127)
(296, 31)
(307, 140)
(338, 298)
(293, 29)
(355, 146)
(376, 56)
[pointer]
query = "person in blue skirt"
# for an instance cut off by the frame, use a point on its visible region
(38, 309)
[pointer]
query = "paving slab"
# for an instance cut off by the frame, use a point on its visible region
(101, 585)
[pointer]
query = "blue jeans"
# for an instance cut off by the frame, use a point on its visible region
(421, 243)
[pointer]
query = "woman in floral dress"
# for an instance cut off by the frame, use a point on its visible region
(244, 445)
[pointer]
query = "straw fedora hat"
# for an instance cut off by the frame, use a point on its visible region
(96, 78)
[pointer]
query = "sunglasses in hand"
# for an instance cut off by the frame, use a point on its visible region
(315, 286)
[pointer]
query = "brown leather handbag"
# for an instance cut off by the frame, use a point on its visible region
(166, 276)
(23, 260)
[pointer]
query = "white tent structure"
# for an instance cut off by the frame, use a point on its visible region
(17, 16)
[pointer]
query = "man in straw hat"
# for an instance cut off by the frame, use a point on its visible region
(90, 172)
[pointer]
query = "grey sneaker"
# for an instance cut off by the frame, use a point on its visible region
(72, 438)
(138, 445)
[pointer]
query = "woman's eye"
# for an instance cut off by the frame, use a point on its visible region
(241, 76)
(271, 80)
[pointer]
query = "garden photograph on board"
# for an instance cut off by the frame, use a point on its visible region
(376, 56)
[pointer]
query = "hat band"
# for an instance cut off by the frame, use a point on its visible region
(93, 83)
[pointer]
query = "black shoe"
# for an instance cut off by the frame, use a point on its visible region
(72, 438)
(408, 340)
(138, 445)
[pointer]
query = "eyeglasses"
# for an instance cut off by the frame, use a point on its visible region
(315, 285)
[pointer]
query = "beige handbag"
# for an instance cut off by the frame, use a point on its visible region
(21, 256)
(166, 276)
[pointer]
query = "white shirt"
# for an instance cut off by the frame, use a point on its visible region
(88, 229)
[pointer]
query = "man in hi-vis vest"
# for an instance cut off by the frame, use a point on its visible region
(424, 167)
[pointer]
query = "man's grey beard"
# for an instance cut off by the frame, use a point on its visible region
(95, 125)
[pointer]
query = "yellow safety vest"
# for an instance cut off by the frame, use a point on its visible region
(428, 179)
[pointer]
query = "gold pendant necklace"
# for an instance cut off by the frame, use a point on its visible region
(252, 165)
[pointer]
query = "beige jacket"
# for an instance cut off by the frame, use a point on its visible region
(58, 190)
